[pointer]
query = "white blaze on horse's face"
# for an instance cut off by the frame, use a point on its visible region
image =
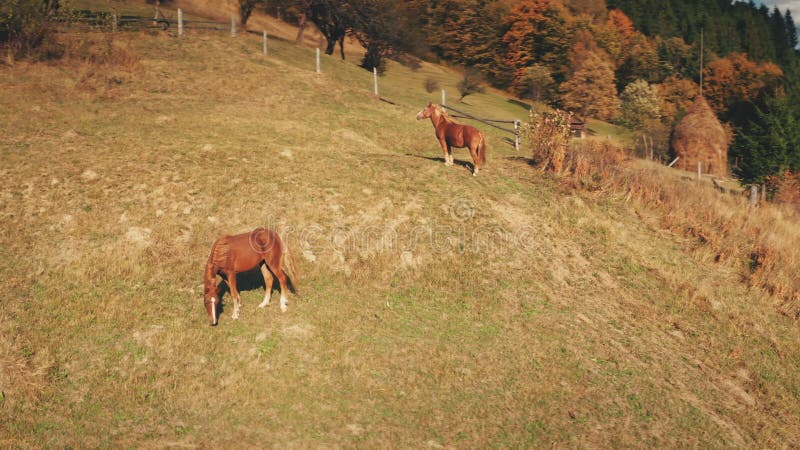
(421, 114)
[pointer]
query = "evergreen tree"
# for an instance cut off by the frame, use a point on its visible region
(791, 30)
(769, 144)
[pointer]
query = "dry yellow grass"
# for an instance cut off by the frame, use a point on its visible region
(761, 241)
(436, 309)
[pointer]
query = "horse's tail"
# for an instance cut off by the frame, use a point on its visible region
(481, 151)
(287, 265)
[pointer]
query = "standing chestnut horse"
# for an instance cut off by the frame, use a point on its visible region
(451, 134)
(243, 252)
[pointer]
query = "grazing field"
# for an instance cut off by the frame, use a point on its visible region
(435, 309)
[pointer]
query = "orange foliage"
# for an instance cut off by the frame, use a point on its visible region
(735, 78)
(677, 94)
(786, 188)
(522, 31)
(622, 24)
(590, 90)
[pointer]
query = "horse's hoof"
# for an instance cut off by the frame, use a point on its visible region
(284, 308)
(263, 304)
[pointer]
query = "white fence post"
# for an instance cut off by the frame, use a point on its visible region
(375, 77)
(516, 134)
(266, 49)
(180, 22)
(233, 26)
(699, 170)
(318, 71)
(753, 194)
(443, 98)
(674, 161)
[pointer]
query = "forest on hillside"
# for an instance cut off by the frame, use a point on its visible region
(633, 62)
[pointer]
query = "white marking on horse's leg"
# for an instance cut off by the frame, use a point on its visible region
(283, 303)
(265, 302)
(236, 307)
(214, 310)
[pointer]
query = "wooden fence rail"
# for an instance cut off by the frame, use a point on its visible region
(491, 123)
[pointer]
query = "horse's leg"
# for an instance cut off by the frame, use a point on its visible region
(446, 151)
(267, 285)
(473, 151)
(449, 155)
(237, 301)
(275, 268)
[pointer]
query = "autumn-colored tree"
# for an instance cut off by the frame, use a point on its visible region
(522, 31)
(537, 32)
(536, 83)
(594, 9)
(621, 24)
(615, 35)
(674, 53)
(641, 61)
(465, 32)
(677, 95)
(736, 79)
(640, 104)
(583, 44)
(591, 90)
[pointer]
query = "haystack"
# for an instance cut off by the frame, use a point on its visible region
(700, 136)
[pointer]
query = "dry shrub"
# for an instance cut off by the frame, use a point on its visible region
(431, 85)
(700, 137)
(786, 189)
(588, 163)
(760, 242)
(548, 135)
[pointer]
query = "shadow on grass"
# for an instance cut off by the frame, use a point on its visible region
(440, 159)
(519, 103)
(522, 159)
(248, 281)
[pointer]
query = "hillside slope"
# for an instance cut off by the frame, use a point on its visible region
(435, 308)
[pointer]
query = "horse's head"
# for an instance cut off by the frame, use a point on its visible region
(426, 112)
(211, 300)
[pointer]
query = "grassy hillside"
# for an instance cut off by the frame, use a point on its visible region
(436, 309)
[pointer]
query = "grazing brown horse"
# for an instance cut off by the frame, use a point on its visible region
(451, 134)
(243, 252)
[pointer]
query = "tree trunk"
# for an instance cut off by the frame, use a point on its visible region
(301, 27)
(330, 46)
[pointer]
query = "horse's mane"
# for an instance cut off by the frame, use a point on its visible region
(444, 115)
(218, 257)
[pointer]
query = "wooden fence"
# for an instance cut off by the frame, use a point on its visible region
(128, 22)
(491, 122)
